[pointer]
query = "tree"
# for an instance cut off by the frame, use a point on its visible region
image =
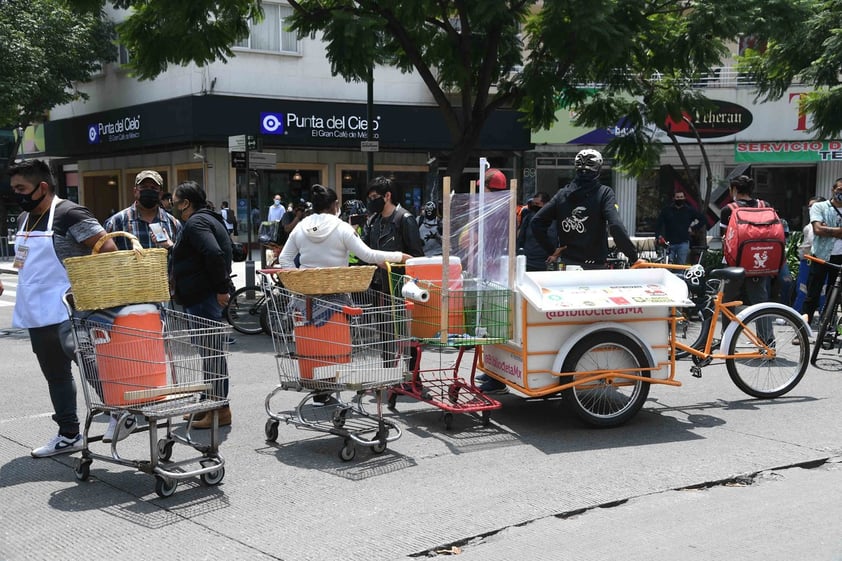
(804, 48)
(45, 50)
(661, 50)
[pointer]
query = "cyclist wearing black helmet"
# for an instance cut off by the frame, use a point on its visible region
(585, 212)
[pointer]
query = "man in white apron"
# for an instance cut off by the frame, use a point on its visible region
(51, 229)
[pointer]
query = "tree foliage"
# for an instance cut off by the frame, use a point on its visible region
(45, 50)
(804, 48)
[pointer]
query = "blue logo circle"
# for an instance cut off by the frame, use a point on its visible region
(93, 134)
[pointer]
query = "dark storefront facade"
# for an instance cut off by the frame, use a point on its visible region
(295, 144)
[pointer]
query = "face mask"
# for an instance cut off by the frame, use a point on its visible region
(375, 206)
(587, 174)
(679, 204)
(838, 197)
(533, 208)
(148, 198)
(27, 203)
(277, 203)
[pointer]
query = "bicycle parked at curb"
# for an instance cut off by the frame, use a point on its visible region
(765, 347)
(827, 334)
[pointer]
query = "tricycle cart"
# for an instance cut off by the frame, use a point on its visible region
(168, 365)
(349, 341)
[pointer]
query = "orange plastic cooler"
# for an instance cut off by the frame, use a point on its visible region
(132, 356)
(426, 316)
(324, 345)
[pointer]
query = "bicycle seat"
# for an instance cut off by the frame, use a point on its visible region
(728, 273)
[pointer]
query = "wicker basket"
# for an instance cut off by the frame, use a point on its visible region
(327, 280)
(118, 278)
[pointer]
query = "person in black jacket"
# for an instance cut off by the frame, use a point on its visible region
(585, 212)
(536, 254)
(201, 276)
(391, 228)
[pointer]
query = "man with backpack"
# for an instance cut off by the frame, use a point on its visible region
(229, 218)
(752, 238)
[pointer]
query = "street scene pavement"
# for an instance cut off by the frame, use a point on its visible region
(703, 472)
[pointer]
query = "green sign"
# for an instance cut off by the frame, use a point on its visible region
(788, 151)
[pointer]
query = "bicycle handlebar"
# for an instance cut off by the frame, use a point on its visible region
(815, 259)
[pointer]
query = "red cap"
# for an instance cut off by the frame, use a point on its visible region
(495, 179)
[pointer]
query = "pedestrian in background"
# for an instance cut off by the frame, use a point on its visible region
(536, 254)
(201, 276)
(50, 230)
(826, 219)
(676, 223)
(229, 218)
(146, 210)
(276, 211)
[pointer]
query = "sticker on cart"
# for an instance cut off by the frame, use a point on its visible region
(503, 363)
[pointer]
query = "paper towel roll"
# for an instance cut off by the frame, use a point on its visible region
(412, 291)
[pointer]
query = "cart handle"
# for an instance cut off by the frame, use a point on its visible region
(352, 310)
(648, 265)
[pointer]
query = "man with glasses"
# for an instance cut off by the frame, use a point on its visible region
(145, 215)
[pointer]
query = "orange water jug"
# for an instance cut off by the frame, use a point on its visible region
(323, 345)
(426, 316)
(131, 356)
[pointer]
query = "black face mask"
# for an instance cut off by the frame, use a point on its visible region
(679, 204)
(149, 198)
(27, 203)
(376, 206)
(533, 208)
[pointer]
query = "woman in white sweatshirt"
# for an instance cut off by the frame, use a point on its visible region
(323, 240)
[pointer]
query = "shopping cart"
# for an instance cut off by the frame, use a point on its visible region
(356, 342)
(468, 314)
(171, 364)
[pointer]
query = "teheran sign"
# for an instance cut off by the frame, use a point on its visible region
(723, 119)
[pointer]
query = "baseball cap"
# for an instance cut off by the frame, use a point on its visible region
(149, 174)
(495, 179)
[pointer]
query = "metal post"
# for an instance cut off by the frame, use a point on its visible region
(369, 166)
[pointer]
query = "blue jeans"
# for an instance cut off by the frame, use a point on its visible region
(679, 252)
(55, 364)
(214, 364)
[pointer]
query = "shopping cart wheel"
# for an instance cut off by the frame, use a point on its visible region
(486, 418)
(339, 417)
(165, 449)
(271, 430)
(164, 486)
(347, 452)
(212, 477)
(448, 420)
(83, 469)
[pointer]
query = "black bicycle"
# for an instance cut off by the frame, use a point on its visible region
(827, 335)
(248, 310)
(693, 322)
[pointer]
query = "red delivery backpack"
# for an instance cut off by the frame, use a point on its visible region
(755, 240)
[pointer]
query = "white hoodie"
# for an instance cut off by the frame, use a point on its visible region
(323, 240)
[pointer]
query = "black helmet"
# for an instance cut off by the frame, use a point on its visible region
(352, 207)
(588, 160)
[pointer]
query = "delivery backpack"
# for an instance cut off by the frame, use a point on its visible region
(755, 240)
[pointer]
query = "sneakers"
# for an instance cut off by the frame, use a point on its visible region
(492, 387)
(121, 431)
(59, 445)
(207, 421)
(483, 377)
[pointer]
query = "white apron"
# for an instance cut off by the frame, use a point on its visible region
(42, 281)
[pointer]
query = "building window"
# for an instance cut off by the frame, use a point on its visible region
(270, 34)
(123, 57)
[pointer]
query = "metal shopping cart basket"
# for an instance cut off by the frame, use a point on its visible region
(167, 364)
(354, 341)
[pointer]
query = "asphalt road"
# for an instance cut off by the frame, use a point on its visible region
(703, 472)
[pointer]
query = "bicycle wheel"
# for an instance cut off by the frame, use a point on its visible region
(243, 311)
(691, 328)
(827, 321)
(607, 402)
(767, 377)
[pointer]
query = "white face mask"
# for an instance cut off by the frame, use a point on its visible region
(277, 202)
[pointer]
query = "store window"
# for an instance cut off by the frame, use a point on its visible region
(787, 189)
(270, 34)
(411, 185)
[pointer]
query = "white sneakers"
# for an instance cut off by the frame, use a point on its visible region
(59, 445)
(121, 431)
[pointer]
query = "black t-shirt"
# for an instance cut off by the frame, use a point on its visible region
(72, 224)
